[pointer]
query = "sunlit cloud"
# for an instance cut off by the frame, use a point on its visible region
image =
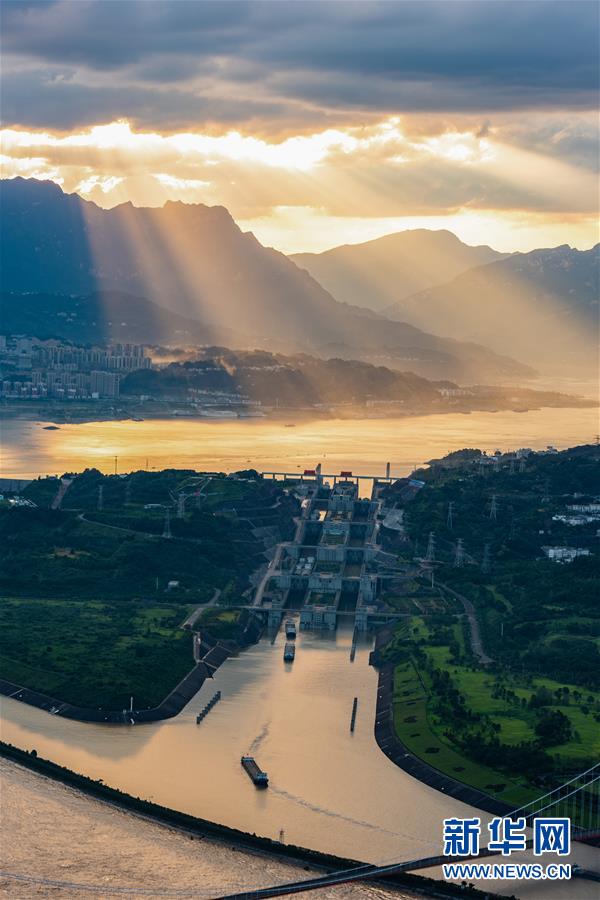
(311, 191)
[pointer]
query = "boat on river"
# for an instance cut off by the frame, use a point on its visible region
(254, 772)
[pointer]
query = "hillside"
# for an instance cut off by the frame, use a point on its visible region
(107, 317)
(195, 261)
(288, 381)
(383, 271)
(540, 306)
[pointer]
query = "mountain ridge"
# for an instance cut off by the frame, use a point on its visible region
(379, 272)
(196, 262)
(542, 305)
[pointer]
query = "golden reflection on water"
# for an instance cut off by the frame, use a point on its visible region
(363, 445)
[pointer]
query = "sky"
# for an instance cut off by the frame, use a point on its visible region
(316, 123)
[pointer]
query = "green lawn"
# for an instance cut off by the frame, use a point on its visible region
(415, 729)
(426, 734)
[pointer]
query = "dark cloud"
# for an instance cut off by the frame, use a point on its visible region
(52, 99)
(293, 59)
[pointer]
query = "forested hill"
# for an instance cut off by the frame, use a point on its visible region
(287, 380)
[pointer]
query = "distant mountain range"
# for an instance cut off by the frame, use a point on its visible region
(381, 272)
(195, 262)
(541, 306)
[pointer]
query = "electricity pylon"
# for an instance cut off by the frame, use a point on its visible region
(486, 564)
(449, 517)
(459, 554)
(167, 529)
(430, 555)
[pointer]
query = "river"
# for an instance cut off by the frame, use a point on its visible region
(364, 446)
(329, 789)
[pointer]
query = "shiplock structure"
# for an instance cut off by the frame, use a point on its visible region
(335, 565)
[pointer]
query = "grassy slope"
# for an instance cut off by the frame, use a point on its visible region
(424, 732)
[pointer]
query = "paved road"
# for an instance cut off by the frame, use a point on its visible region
(196, 613)
(476, 642)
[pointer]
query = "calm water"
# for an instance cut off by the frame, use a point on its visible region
(329, 789)
(361, 445)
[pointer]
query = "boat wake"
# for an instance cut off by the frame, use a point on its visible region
(260, 737)
(340, 816)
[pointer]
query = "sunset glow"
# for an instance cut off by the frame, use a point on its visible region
(310, 191)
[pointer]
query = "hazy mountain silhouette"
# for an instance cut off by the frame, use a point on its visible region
(541, 306)
(380, 272)
(196, 262)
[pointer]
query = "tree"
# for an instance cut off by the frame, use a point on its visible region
(553, 727)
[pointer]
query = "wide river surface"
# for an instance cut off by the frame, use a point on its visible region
(329, 789)
(364, 445)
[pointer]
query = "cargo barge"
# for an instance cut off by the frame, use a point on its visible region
(254, 772)
(289, 652)
(290, 630)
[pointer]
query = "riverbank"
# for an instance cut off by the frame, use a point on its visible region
(476, 400)
(146, 812)
(400, 755)
(56, 837)
(209, 653)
